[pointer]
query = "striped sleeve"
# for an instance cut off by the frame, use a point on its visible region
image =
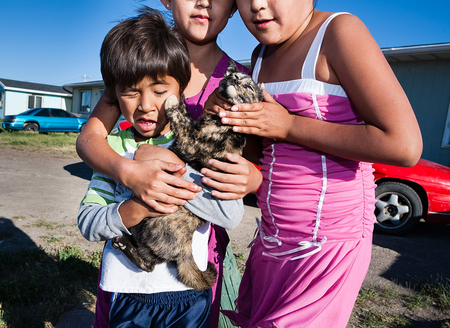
(100, 191)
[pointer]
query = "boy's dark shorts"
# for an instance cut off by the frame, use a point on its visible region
(185, 309)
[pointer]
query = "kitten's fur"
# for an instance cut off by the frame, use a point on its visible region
(169, 238)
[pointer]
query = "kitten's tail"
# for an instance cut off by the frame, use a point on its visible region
(190, 275)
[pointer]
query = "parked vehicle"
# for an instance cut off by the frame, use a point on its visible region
(123, 124)
(44, 120)
(405, 195)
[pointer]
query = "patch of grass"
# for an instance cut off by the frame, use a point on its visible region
(52, 239)
(239, 256)
(419, 301)
(45, 224)
(380, 296)
(423, 296)
(49, 142)
(374, 319)
(48, 225)
(438, 293)
(37, 287)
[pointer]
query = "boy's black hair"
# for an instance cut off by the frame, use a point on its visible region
(142, 46)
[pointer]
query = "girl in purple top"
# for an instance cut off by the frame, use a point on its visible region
(199, 22)
(332, 105)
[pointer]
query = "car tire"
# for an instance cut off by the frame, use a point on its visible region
(31, 127)
(398, 209)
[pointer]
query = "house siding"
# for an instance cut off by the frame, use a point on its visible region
(17, 102)
(96, 93)
(427, 85)
(15, 96)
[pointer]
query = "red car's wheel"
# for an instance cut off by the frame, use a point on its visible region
(398, 209)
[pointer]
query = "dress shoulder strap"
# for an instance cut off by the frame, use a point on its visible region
(309, 66)
(257, 67)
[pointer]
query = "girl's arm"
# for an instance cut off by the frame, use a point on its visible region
(351, 57)
(151, 180)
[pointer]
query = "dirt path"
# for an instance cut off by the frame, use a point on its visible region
(39, 201)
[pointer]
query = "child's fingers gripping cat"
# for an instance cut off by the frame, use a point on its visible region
(266, 119)
(233, 180)
(216, 103)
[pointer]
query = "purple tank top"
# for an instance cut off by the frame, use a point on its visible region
(195, 104)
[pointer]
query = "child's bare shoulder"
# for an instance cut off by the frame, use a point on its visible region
(345, 27)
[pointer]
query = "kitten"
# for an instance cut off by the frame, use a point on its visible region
(169, 238)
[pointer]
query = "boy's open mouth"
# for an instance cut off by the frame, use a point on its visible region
(146, 125)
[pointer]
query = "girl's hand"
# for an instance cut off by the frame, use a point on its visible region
(216, 103)
(235, 180)
(155, 178)
(265, 119)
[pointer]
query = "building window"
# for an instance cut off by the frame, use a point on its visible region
(446, 137)
(85, 101)
(34, 101)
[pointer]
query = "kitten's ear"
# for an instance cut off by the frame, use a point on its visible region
(232, 68)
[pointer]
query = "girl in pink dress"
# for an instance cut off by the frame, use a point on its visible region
(332, 106)
(199, 22)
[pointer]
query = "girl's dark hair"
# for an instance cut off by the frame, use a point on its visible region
(142, 46)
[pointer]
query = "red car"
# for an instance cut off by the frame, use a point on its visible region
(407, 194)
(124, 125)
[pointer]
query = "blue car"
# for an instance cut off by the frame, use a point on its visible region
(44, 120)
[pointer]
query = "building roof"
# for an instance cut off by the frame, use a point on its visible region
(14, 85)
(408, 53)
(97, 83)
(413, 53)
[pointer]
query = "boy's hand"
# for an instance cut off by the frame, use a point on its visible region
(133, 211)
(236, 180)
(155, 178)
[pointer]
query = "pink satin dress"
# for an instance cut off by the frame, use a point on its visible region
(314, 245)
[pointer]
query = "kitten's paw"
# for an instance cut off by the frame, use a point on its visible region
(119, 246)
(171, 101)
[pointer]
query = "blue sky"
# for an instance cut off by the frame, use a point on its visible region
(58, 42)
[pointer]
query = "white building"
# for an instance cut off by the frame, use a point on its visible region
(85, 96)
(17, 97)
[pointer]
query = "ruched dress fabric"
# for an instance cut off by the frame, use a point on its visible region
(307, 265)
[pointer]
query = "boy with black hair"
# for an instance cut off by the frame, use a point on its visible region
(143, 62)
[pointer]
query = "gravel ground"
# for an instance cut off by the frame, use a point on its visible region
(41, 193)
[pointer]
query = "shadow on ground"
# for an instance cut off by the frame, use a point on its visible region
(37, 287)
(81, 170)
(423, 254)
